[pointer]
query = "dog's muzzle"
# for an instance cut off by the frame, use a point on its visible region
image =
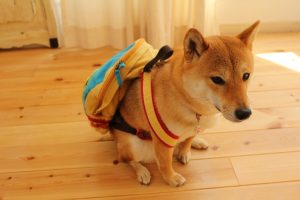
(242, 113)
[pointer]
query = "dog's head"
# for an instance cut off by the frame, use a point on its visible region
(218, 69)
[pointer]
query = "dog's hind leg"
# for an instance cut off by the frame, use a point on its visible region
(142, 173)
(125, 146)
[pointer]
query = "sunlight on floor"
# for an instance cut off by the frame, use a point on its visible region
(289, 60)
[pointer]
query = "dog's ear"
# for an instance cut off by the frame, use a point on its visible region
(248, 35)
(194, 45)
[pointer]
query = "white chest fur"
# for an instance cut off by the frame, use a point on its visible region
(189, 130)
(143, 150)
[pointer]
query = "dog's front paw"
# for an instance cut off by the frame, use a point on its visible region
(184, 157)
(143, 175)
(176, 180)
(199, 143)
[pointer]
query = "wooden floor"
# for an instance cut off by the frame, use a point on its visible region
(49, 151)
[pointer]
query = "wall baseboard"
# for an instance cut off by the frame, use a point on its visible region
(266, 27)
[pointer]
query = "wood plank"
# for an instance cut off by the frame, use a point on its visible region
(40, 97)
(30, 57)
(277, 191)
(50, 57)
(75, 55)
(109, 180)
(263, 118)
(276, 98)
(15, 71)
(288, 116)
(44, 134)
(54, 62)
(41, 68)
(57, 156)
(29, 83)
(275, 82)
(249, 143)
(267, 168)
(42, 115)
(264, 67)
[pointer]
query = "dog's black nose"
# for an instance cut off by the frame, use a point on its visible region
(242, 113)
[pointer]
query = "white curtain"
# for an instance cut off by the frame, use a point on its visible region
(97, 23)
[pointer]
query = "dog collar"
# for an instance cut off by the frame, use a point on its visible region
(155, 122)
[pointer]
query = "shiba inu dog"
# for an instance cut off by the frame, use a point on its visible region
(207, 78)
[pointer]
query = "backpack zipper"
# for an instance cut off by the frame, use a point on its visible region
(118, 72)
(110, 77)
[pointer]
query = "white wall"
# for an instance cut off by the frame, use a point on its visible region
(246, 11)
(276, 15)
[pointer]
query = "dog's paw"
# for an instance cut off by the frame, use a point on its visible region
(199, 143)
(143, 175)
(176, 180)
(184, 158)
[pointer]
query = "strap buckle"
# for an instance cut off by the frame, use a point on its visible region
(163, 54)
(143, 135)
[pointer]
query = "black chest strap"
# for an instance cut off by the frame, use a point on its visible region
(118, 122)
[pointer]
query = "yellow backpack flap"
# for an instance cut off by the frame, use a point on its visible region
(106, 87)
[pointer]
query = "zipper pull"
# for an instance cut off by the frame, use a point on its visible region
(118, 72)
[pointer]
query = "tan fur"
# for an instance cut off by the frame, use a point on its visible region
(184, 151)
(182, 88)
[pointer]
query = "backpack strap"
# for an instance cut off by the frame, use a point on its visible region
(158, 127)
(119, 123)
(163, 54)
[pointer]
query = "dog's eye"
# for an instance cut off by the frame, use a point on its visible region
(218, 80)
(246, 76)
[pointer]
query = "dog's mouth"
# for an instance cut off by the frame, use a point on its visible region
(228, 117)
(231, 117)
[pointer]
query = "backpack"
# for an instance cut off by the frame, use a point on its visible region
(107, 86)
